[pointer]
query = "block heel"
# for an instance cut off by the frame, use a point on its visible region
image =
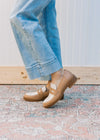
(73, 81)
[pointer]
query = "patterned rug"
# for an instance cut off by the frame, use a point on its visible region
(77, 117)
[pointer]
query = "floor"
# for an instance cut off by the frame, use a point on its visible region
(77, 117)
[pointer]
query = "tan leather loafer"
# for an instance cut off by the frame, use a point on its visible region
(38, 95)
(55, 93)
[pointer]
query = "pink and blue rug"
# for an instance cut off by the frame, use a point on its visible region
(77, 117)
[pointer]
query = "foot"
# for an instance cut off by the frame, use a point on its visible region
(57, 89)
(38, 95)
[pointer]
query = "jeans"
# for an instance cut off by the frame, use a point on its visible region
(36, 33)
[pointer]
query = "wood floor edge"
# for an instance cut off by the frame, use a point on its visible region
(18, 75)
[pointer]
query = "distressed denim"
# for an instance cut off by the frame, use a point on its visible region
(36, 33)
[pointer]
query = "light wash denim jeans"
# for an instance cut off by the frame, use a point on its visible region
(36, 33)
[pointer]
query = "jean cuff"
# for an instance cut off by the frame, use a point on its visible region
(43, 70)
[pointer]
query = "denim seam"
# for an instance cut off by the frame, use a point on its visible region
(36, 65)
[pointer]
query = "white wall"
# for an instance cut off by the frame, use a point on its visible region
(79, 27)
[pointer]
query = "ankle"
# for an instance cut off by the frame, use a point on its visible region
(57, 74)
